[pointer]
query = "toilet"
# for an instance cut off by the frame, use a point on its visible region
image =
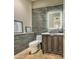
(35, 44)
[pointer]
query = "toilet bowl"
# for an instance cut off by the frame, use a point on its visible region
(35, 44)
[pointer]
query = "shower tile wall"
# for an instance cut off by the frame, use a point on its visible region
(39, 22)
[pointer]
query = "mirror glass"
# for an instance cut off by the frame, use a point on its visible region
(54, 20)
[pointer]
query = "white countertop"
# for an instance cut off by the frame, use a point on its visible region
(47, 33)
(23, 33)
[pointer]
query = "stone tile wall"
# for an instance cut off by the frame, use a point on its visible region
(39, 22)
(21, 41)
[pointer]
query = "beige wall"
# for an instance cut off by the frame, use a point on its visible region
(23, 12)
(45, 3)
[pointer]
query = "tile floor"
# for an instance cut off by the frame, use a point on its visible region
(38, 55)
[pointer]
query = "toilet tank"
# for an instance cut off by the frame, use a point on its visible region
(39, 37)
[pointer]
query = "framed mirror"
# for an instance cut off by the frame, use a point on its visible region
(54, 20)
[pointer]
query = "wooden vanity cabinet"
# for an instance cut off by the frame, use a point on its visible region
(52, 44)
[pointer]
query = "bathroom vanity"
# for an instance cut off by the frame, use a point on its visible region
(52, 43)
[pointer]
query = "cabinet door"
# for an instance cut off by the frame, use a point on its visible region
(60, 38)
(52, 43)
(55, 39)
(49, 44)
(45, 43)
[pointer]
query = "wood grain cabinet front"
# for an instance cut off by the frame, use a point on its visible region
(52, 44)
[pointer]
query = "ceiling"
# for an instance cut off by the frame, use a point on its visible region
(45, 3)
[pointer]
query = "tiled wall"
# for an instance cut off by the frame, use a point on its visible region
(21, 41)
(39, 22)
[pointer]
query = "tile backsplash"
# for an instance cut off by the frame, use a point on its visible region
(39, 23)
(21, 41)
